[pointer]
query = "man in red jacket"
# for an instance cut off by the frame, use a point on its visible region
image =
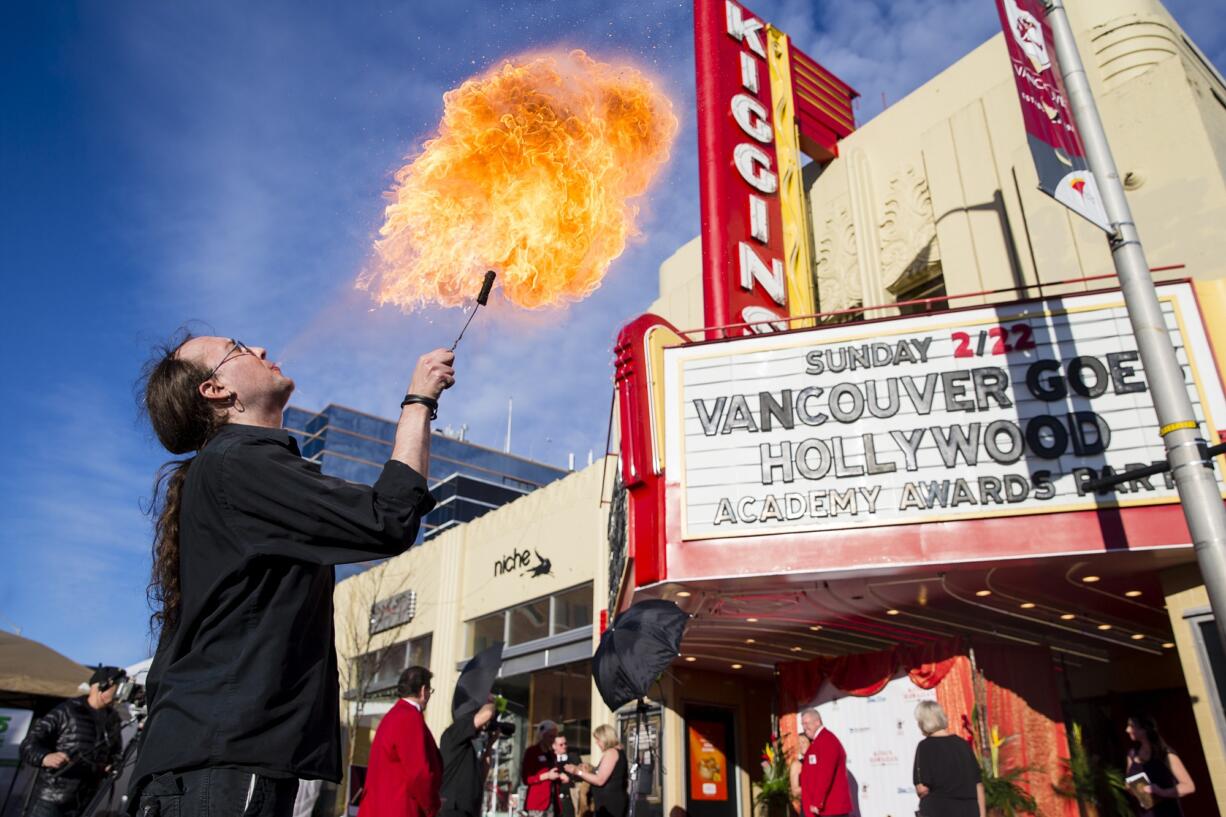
(539, 772)
(406, 769)
(823, 772)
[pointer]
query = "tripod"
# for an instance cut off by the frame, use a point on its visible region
(642, 771)
(106, 794)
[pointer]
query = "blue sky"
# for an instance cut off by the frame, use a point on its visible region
(225, 163)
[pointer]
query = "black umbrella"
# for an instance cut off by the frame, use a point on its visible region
(637, 647)
(476, 681)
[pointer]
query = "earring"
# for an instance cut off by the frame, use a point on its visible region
(238, 404)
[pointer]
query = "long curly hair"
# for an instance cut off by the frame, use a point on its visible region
(183, 421)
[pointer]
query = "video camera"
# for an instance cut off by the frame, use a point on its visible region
(130, 692)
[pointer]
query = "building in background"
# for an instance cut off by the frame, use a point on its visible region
(467, 480)
(531, 574)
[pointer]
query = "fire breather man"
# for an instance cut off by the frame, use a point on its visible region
(243, 690)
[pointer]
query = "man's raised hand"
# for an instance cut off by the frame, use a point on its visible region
(433, 374)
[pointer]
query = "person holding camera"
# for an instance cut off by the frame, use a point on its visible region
(73, 746)
(465, 747)
(539, 772)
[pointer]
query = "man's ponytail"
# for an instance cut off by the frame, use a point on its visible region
(183, 422)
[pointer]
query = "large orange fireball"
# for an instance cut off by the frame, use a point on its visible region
(532, 174)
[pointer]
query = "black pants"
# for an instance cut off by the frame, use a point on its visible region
(217, 793)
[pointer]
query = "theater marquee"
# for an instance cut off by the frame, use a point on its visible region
(987, 412)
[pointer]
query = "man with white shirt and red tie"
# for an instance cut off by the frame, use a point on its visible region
(823, 773)
(406, 769)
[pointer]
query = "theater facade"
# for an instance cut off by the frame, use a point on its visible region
(860, 434)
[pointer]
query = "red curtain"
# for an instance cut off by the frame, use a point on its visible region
(867, 673)
(861, 675)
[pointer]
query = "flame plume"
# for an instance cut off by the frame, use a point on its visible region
(531, 174)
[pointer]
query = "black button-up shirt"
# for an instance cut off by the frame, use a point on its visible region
(248, 678)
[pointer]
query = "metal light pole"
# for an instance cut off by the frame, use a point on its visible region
(1185, 446)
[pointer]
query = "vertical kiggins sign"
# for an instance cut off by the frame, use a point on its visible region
(742, 231)
(761, 103)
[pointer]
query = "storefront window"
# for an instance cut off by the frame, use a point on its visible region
(419, 651)
(566, 611)
(528, 622)
(572, 609)
(381, 669)
(487, 631)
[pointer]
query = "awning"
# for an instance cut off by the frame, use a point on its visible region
(35, 669)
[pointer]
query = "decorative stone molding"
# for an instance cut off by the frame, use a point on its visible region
(838, 270)
(909, 248)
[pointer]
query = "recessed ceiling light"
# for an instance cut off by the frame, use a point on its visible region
(690, 658)
(815, 627)
(1168, 645)
(1104, 626)
(749, 641)
(1132, 594)
(797, 649)
(891, 612)
(737, 666)
(1137, 636)
(982, 593)
(1028, 605)
(752, 620)
(1090, 579)
(1067, 617)
(683, 594)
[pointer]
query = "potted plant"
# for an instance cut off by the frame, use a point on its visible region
(1004, 794)
(774, 796)
(1097, 788)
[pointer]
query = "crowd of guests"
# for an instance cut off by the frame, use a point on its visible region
(410, 775)
(947, 776)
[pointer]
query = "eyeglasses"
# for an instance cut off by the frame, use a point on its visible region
(238, 349)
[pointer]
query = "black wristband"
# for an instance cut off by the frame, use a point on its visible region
(428, 402)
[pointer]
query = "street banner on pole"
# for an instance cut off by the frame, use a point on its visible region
(1059, 157)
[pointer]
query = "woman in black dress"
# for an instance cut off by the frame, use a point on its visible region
(608, 779)
(1168, 779)
(946, 775)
